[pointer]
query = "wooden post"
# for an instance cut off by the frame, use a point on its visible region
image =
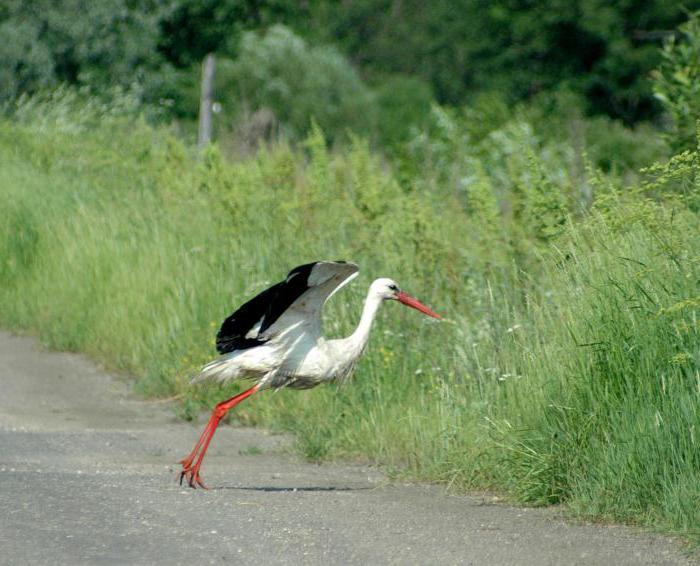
(205, 101)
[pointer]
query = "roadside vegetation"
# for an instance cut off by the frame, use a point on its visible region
(562, 249)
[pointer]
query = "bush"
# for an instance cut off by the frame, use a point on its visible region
(677, 84)
(279, 71)
(47, 43)
(404, 104)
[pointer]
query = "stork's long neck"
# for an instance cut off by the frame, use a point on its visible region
(358, 339)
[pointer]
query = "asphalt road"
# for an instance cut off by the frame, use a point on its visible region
(87, 476)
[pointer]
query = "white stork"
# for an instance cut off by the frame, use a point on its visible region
(275, 339)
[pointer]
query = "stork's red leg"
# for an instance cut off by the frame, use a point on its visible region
(187, 462)
(191, 464)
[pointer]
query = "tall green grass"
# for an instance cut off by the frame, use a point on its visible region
(568, 367)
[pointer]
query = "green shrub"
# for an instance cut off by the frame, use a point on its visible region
(47, 43)
(299, 83)
(403, 106)
(677, 84)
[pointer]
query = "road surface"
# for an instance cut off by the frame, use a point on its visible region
(87, 476)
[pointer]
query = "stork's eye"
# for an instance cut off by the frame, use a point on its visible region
(393, 287)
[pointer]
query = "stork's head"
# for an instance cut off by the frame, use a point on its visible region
(387, 289)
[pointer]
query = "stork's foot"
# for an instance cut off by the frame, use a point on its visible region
(191, 464)
(190, 474)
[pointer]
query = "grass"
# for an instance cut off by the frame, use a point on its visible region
(568, 369)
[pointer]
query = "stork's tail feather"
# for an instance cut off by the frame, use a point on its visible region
(220, 370)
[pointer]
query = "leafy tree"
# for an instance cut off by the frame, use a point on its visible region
(404, 104)
(45, 42)
(677, 84)
(194, 28)
(407, 49)
(281, 72)
(516, 47)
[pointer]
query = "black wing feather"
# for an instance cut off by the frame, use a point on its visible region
(232, 334)
(293, 287)
(265, 308)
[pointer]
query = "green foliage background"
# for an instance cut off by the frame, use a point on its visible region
(567, 369)
(453, 50)
(480, 154)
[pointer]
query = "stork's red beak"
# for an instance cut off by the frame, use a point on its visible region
(416, 304)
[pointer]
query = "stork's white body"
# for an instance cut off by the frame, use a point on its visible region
(296, 354)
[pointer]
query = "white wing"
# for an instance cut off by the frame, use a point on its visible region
(303, 316)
